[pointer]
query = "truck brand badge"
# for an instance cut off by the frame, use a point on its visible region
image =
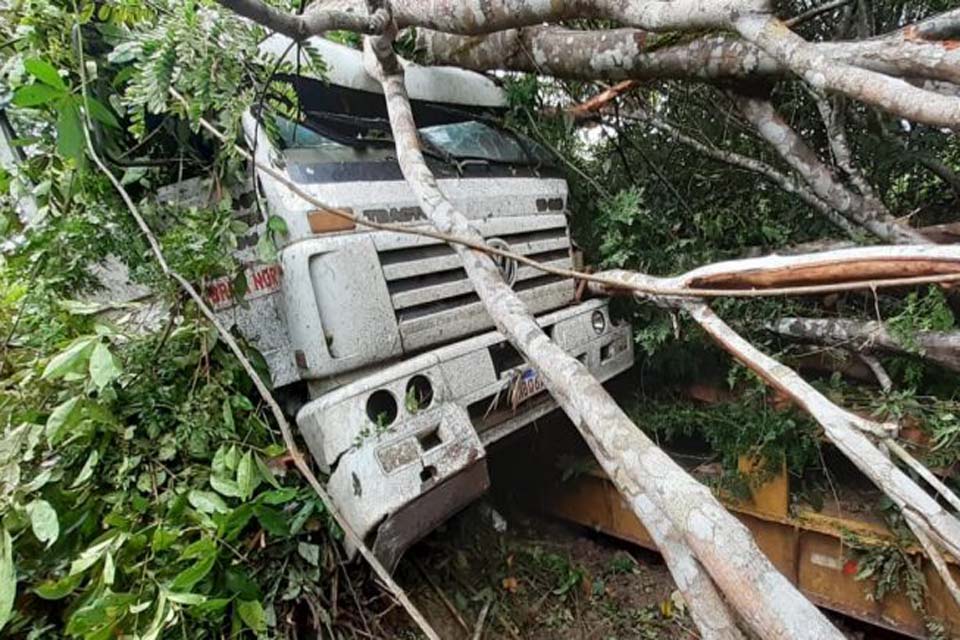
(395, 214)
(262, 279)
(507, 266)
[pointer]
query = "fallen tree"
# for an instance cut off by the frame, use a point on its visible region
(683, 516)
(909, 72)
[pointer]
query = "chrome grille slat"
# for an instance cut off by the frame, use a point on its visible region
(434, 300)
(418, 262)
(461, 285)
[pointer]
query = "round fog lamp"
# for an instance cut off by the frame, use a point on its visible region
(599, 321)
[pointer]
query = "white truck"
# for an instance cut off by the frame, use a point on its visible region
(376, 340)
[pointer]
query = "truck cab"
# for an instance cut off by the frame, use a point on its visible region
(407, 382)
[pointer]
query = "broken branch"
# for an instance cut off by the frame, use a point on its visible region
(662, 495)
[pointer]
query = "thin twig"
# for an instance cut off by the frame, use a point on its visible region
(478, 630)
(295, 454)
(883, 378)
(923, 535)
(810, 14)
(443, 597)
(931, 479)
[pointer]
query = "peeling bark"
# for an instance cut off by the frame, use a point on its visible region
(942, 347)
(810, 270)
(658, 490)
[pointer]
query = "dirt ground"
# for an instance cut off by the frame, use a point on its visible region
(542, 580)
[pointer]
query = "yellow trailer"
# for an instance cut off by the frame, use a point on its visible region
(808, 546)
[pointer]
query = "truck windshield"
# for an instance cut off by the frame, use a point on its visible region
(459, 141)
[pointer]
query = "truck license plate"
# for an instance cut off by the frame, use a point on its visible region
(529, 384)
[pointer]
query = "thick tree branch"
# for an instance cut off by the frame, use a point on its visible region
(577, 392)
(890, 94)
(945, 26)
(865, 212)
(808, 272)
(847, 431)
(620, 54)
(651, 482)
(942, 347)
(472, 17)
(317, 19)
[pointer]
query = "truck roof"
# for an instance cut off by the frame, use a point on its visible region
(435, 84)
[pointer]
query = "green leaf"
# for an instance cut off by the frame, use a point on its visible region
(309, 552)
(70, 358)
(8, 577)
(43, 521)
(70, 138)
(278, 496)
(188, 599)
(101, 113)
(45, 73)
(160, 618)
(207, 502)
(109, 569)
(34, 95)
(300, 518)
(252, 614)
(228, 415)
(272, 520)
(186, 579)
(277, 225)
(212, 607)
(234, 524)
(92, 555)
(266, 472)
(248, 476)
(103, 366)
(198, 549)
(64, 415)
(59, 589)
(225, 486)
(237, 581)
(164, 538)
(87, 471)
(232, 458)
(266, 250)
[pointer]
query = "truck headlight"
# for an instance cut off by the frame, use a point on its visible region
(599, 321)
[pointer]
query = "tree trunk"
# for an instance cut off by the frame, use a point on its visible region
(673, 505)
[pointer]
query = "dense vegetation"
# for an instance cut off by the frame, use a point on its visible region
(143, 488)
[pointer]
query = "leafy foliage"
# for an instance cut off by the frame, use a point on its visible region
(143, 490)
(748, 428)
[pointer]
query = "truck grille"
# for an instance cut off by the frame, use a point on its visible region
(433, 299)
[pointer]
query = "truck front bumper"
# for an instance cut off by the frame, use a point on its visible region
(405, 445)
